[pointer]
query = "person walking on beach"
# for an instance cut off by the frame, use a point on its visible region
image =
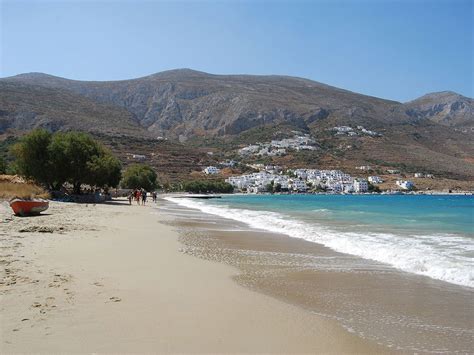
(153, 195)
(143, 192)
(130, 197)
(137, 196)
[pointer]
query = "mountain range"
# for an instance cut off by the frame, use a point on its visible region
(433, 133)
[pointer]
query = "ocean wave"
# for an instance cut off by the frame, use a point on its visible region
(436, 256)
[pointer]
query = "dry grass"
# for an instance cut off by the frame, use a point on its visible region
(10, 190)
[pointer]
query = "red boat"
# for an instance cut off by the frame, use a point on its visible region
(28, 207)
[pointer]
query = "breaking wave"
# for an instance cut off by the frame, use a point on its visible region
(445, 257)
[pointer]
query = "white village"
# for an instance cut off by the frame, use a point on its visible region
(298, 180)
(274, 178)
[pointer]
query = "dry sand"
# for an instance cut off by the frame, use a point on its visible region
(111, 278)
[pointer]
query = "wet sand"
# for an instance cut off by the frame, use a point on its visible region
(400, 311)
(115, 278)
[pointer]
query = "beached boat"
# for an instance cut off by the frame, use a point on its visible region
(28, 207)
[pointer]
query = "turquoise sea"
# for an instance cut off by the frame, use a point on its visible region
(431, 235)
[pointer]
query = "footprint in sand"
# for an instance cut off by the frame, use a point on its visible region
(115, 299)
(70, 297)
(59, 280)
(98, 284)
(49, 301)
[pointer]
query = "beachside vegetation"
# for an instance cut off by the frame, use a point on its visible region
(373, 188)
(208, 187)
(10, 190)
(51, 159)
(139, 176)
(3, 166)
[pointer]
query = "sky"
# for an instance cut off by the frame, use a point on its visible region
(392, 49)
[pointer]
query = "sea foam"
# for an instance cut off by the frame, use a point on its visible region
(441, 257)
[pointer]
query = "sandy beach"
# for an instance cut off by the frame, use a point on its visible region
(403, 311)
(113, 278)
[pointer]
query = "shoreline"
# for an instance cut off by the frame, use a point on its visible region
(297, 272)
(393, 193)
(113, 278)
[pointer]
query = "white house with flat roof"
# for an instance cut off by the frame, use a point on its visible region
(211, 170)
(297, 185)
(375, 179)
(405, 184)
(361, 185)
(139, 157)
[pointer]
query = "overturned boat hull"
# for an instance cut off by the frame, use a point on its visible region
(28, 207)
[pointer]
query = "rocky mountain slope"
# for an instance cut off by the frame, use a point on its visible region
(24, 107)
(192, 103)
(434, 132)
(446, 108)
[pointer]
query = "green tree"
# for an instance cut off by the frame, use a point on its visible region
(52, 159)
(3, 166)
(373, 188)
(32, 158)
(139, 176)
(105, 170)
(208, 186)
(75, 151)
(79, 159)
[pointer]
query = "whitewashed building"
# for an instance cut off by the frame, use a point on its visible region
(251, 149)
(138, 157)
(305, 147)
(335, 186)
(405, 184)
(297, 185)
(361, 185)
(348, 188)
(228, 163)
(342, 129)
(375, 179)
(211, 170)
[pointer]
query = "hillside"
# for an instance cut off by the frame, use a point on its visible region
(446, 108)
(433, 133)
(192, 103)
(24, 107)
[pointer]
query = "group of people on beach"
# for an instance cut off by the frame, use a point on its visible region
(140, 196)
